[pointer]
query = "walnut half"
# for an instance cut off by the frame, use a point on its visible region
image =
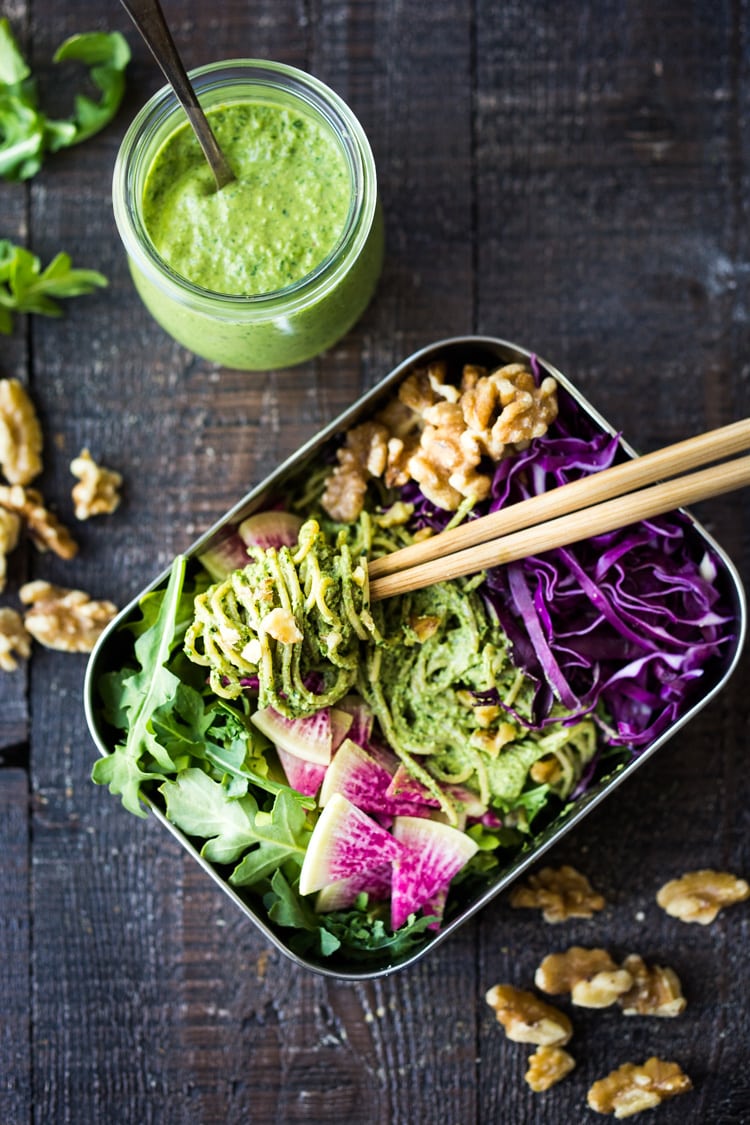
(97, 492)
(547, 1066)
(656, 990)
(526, 1018)
(20, 434)
(43, 526)
(64, 619)
(632, 1088)
(560, 893)
(14, 639)
(698, 896)
(590, 976)
(10, 526)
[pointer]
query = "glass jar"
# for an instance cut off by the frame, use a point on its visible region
(290, 324)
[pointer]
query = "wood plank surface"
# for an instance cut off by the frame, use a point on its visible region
(571, 177)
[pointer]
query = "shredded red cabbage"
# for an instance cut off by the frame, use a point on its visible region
(622, 624)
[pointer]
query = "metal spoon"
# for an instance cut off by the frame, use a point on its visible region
(150, 22)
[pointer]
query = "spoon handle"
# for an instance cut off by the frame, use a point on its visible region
(148, 18)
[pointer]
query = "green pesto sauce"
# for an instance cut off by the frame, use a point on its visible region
(273, 225)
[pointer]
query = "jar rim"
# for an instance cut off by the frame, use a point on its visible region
(162, 114)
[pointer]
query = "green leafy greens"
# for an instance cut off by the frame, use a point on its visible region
(27, 288)
(206, 761)
(27, 134)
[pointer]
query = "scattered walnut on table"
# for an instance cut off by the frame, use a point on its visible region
(43, 526)
(20, 434)
(547, 1066)
(68, 620)
(97, 491)
(526, 1018)
(590, 976)
(10, 527)
(632, 1088)
(656, 990)
(15, 639)
(698, 896)
(560, 893)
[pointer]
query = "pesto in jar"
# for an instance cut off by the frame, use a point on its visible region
(273, 225)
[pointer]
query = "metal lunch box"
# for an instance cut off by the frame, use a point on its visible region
(112, 647)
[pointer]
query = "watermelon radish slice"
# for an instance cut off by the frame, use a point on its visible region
(363, 718)
(363, 779)
(344, 842)
(435, 908)
(225, 553)
(406, 788)
(433, 853)
(305, 777)
(340, 726)
(309, 738)
(270, 529)
(341, 895)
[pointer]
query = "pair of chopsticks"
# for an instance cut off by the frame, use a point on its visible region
(593, 505)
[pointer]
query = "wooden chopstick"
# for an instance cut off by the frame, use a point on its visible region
(558, 518)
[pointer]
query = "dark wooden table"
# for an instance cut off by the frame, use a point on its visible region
(575, 177)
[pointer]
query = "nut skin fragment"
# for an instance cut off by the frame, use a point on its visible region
(656, 990)
(547, 1066)
(97, 492)
(20, 434)
(15, 639)
(632, 1088)
(527, 1019)
(698, 896)
(590, 976)
(44, 528)
(10, 527)
(560, 893)
(64, 619)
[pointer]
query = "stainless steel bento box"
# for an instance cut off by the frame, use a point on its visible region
(112, 645)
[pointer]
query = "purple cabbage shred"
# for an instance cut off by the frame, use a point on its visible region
(623, 623)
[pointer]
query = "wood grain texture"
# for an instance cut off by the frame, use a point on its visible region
(571, 177)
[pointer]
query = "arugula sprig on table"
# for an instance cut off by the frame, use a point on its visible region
(27, 134)
(27, 288)
(203, 757)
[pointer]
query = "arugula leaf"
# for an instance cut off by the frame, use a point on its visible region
(142, 694)
(107, 55)
(26, 133)
(26, 288)
(232, 826)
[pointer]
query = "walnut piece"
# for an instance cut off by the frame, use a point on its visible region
(15, 639)
(442, 436)
(590, 976)
(97, 492)
(656, 990)
(281, 624)
(10, 527)
(526, 1018)
(560, 893)
(547, 1066)
(20, 434)
(44, 528)
(698, 896)
(632, 1088)
(64, 619)
(364, 455)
